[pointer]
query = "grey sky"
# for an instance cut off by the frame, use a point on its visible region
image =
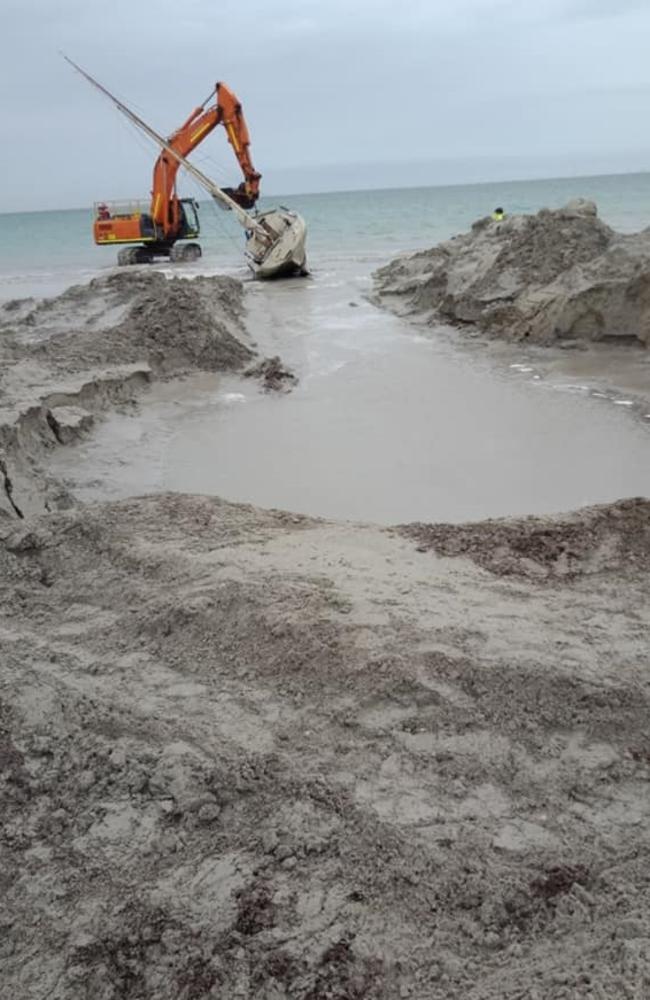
(338, 94)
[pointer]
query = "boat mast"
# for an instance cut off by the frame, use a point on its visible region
(243, 217)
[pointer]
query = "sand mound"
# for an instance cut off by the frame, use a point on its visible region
(125, 317)
(65, 360)
(608, 537)
(557, 275)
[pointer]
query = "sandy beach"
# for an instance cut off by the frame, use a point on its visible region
(259, 753)
(325, 501)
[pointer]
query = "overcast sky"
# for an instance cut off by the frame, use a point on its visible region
(339, 94)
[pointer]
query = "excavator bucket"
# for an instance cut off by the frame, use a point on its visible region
(241, 196)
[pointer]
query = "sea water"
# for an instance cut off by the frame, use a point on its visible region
(43, 252)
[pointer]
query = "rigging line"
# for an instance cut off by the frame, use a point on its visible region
(220, 223)
(222, 173)
(145, 144)
(121, 99)
(137, 107)
(148, 145)
(219, 232)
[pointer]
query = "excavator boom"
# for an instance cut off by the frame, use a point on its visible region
(226, 111)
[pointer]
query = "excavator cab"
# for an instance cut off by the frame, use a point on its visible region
(190, 226)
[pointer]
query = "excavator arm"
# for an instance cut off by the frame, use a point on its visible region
(226, 111)
(247, 193)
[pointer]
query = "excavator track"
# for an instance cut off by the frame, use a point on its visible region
(134, 255)
(185, 252)
(179, 253)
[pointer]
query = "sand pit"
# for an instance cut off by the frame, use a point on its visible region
(252, 754)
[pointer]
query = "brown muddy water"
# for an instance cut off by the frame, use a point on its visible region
(388, 423)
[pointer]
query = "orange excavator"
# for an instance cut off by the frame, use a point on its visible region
(157, 229)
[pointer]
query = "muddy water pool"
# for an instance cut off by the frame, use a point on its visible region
(388, 422)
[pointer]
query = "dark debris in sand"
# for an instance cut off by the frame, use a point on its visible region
(610, 536)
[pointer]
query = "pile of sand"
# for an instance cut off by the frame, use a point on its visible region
(64, 360)
(558, 275)
(133, 316)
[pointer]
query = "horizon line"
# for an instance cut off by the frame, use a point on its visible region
(405, 187)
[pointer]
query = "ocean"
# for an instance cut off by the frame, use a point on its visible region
(41, 253)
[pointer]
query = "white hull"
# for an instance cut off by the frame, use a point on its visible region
(286, 253)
